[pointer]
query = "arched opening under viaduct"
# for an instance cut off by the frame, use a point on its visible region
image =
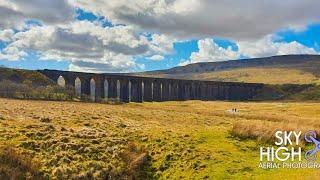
(92, 89)
(106, 89)
(118, 89)
(77, 87)
(142, 91)
(61, 81)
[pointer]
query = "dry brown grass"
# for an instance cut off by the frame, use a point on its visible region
(264, 131)
(14, 165)
(136, 159)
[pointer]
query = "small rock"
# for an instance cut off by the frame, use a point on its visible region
(121, 125)
(65, 140)
(63, 129)
(45, 120)
(144, 139)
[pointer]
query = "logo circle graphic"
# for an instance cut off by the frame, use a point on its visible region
(310, 155)
(308, 136)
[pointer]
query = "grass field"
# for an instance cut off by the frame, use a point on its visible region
(169, 140)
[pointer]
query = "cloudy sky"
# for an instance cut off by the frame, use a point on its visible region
(140, 35)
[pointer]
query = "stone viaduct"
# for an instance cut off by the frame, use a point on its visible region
(139, 89)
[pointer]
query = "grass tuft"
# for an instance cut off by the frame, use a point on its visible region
(14, 165)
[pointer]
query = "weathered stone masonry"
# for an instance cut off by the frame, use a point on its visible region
(139, 89)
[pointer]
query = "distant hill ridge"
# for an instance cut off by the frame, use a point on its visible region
(297, 69)
(231, 64)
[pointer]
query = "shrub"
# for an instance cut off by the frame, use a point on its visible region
(136, 159)
(26, 90)
(288, 92)
(46, 120)
(19, 76)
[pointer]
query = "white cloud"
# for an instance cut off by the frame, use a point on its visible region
(184, 62)
(209, 51)
(91, 44)
(14, 13)
(110, 63)
(86, 45)
(151, 27)
(12, 54)
(162, 44)
(268, 46)
(237, 20)
(156, 58)
(6, 35)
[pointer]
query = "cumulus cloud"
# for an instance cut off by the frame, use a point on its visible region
(148, 29)
(238, 20)
(14, 13)
(162, 44)
(86, 45)
(118, 63)
(92, 44)
(156, 58)
(6, 35)
(268, 46)
(13, 54)
(10, 18)
(209, 51)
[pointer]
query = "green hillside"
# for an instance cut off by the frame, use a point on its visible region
(291, 69)
(24, 76)
(28, 84)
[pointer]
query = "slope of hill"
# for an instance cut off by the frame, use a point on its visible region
(296, 69)
(29, 84)
(22, 76)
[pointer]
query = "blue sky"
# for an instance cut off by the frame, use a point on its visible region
(309, 37)
(88, 41)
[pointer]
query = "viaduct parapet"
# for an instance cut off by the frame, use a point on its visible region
(139, 89)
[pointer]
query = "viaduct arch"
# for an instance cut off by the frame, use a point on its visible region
(139, 89)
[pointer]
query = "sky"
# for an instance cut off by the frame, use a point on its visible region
(143, 35)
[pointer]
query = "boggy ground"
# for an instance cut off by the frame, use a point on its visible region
(169, 140)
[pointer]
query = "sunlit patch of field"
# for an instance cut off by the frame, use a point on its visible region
(169, 140)
(268, 75)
